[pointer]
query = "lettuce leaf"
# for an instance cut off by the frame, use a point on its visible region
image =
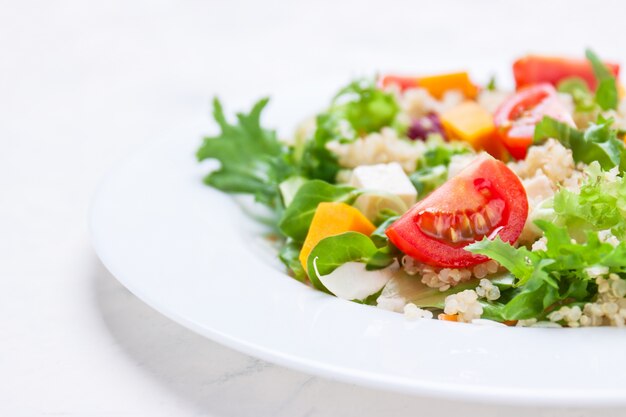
(606, 92)
(576, 87)
(600, 204)
(296, 219)
(598, 142)
(552, 277)
(289, 255)
(357, 109)
(334, 251)
(432, 167)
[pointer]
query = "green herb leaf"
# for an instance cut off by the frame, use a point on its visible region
(253, 161)
(297, 218)
(535, 296)
(383, 257)
(598, 143)
(379, 237)
(606, 93)
(366, 107)
(289, 255)
(600, 204)
(518, 261)
(334, 251)
(315, 160)
(359, 108)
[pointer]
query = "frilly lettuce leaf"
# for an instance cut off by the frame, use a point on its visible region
(598, 142)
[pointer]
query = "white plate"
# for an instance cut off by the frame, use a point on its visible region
(191, 253)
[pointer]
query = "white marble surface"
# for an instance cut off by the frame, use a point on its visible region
(83, 83)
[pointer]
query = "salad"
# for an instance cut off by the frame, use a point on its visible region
(445, 199)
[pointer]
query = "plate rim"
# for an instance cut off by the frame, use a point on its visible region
(404, 385)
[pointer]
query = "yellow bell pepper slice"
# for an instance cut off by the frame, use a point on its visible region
(332, 219)
(473, 124)
(437, 85)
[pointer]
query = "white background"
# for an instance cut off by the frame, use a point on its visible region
(82, 84)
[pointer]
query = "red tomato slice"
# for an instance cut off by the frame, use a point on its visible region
(403, 83)
(484, 199)
(535, 69)
(516, 118)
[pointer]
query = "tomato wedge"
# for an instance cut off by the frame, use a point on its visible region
(535, 69)
(484, 199)
(516, 118)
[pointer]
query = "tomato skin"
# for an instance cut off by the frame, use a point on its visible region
(535, 69)
(516, 118)
(403, 83)
(458, 194)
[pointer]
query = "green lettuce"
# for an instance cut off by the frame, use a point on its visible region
(334, 251)
(606, 95)
(289, 255)
(598, 142)
(549, 278)
(296, 219)
(600, 204)
(432, 167)
(357, 109)
(606, 92)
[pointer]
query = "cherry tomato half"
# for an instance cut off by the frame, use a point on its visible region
(484, 199)
(516, 118)
(535, 69)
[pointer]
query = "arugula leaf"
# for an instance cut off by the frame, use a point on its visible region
(606, 93)
(378, 236)
(289, 255)
(297, 218)
(334, 251)
(387, 252)
(383, 257)
(598, 143)
(253, 160)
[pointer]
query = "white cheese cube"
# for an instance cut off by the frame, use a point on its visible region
(390, 181)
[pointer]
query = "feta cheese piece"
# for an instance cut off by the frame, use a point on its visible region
(390, 180)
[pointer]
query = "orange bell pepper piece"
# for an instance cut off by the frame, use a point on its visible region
(436, 85)
(473, 124)
(332, 219)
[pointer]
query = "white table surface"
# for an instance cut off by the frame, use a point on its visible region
(83, 83)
